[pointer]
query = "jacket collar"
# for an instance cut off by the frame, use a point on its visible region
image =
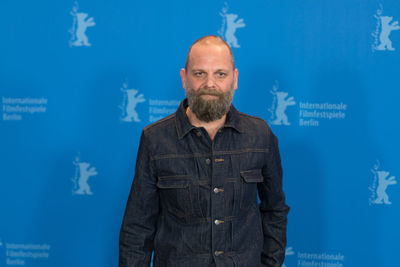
(183, 125)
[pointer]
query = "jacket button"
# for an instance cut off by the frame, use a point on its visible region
(218, 252)
(198, 133)
(208, 161)
(217, 190)
(217, 222)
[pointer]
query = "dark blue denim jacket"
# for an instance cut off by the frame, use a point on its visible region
(194, 200)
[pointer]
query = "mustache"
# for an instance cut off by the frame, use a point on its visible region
(208, 91)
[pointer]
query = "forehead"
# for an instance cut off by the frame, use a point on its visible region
(216, 55)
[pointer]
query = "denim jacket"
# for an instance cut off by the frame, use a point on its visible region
(193, 200)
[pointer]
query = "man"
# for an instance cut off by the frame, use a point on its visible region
(194, 195)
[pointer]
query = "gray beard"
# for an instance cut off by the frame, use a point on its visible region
(211, 109)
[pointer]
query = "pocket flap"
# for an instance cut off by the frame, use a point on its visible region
(252, 176)
(173, 181)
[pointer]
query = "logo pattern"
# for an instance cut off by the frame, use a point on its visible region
(83, 172)
(288, 252)
(379, 185)
(230, 24)
(79, 27)
(385, 25)
(129, 103)
(280, 102)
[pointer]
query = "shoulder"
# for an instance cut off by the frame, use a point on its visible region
(165, 124)
(254, 124)
(160, 137)
(258, 130)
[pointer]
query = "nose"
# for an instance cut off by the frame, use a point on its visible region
(210, 81)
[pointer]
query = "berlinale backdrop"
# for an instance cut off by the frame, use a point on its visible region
(80, 79)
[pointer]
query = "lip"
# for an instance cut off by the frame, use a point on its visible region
(212, 94)
(209, 95)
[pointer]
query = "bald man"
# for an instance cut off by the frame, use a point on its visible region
(193, 200)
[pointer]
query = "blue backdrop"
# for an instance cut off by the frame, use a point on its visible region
(80, 80)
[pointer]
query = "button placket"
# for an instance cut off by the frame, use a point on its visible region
(219, 227)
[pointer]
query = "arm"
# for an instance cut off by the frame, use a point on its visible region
(273, 207)
(141, 213)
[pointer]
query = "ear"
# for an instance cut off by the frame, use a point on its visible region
(236, 74)
(183, 77)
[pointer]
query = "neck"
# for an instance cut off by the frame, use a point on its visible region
(211, 127)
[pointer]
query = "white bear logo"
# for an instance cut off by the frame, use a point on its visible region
(386, 29)
(79, 26)
(229, 27)
(383, 29)
(379, 186)
(279, 104)
(82, 175)
(289, 251)
(128, 107)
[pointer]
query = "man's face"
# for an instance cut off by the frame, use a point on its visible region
(210, 81)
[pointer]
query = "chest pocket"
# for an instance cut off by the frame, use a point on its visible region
(249, 187)
(175, 194)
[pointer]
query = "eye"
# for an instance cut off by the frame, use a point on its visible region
(221, 74)
(199, 74)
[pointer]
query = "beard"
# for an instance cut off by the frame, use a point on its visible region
(208, 110)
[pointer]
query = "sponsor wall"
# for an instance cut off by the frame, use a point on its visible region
(80, 80)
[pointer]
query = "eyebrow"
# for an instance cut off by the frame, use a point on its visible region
(218, 70)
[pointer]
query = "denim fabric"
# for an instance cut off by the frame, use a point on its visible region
(194, 201)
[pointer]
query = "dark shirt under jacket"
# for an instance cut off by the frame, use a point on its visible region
(194, 201)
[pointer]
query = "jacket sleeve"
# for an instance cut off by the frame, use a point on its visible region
(141, 213)
(273, 207)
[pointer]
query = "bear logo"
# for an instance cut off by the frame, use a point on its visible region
(129, 103)
(229, 27)
(79, 26)
(380, 184)
(384, 27)
(279, 104)
(83, 172)
(288, 252)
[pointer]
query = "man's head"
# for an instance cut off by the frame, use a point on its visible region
(209, 78)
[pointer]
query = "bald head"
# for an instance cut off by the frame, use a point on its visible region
(209, 40)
